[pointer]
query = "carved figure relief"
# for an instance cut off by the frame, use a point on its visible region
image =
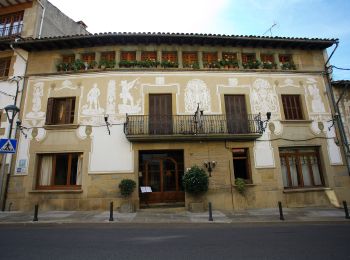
(128, 105)
(317, 105)
(93, 106)
(263, 97)
(197, 92)
(36, 101)
(111, 97)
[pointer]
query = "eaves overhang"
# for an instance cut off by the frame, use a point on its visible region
(123, 38)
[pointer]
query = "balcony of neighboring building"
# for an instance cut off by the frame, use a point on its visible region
(11, 24)
(192, 127)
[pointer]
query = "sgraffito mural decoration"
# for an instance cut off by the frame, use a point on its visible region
(128, 105)
(111, 97)
(93, 106)
(197, 92)
(36, 101)
(317, 105)
(263, 97)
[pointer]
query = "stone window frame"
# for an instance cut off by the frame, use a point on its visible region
(53, 110)
(297, 155)
(69, 164)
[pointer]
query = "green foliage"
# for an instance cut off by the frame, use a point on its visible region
(229, 63)
(148, 63)
(127, 186)
(240, 185)
(195, 181)
(268, 65)
(288, 66)
(127, 63)
(169, 64)
(253, 64)
(77, 65)
(107, 63)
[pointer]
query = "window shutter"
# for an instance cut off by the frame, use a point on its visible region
(69, 116)
(49, 111)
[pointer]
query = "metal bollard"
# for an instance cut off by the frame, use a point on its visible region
(210, 212)
(281, 210)
(36, 209)
(111, 212)
(346, 210)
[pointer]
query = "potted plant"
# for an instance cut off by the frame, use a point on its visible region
(288, 66)
(127, 63)
(127, 187)
(107, 64)
(240, 185)
(63, 66)
(196, 183)
(268, 65)
(169, 64)
(78, 65)
(252, 64)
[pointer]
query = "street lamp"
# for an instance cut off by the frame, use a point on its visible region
(11, 112)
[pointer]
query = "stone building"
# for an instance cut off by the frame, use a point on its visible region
(24, 19)
(147, 106)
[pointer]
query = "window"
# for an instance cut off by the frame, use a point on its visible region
(210, 59)
(301, 167)
(11, 24)
(60, 111)
(283, 58)
(128, 56)
(292, 107)
(267, 58)
(189, 59)
(5, 66)
(149, 55)
(246, 57)
(61, 170)
(88, 57)
(108, 56)
(170, 56)
(241, 164)
(68, 58)
(229, 56)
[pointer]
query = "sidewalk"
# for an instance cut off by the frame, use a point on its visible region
(179, 215)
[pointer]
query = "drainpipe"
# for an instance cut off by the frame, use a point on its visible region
(42, 17)
(337, 116)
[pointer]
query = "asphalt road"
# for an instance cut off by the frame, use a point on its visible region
(175, 241)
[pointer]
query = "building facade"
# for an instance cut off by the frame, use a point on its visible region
(23, 19)
(101, 108)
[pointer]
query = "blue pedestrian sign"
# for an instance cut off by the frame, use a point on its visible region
(8, 145)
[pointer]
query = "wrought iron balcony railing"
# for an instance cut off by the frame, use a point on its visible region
(139, 127)
(6, 31)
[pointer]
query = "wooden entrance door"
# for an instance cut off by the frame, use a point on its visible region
(236, 114)
(160, 114)
(162, 176)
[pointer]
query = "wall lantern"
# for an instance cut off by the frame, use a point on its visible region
(262, 124)
(210, 166)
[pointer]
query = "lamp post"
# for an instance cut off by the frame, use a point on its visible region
(11, 112)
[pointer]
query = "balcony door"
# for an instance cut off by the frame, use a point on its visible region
(236, 114)
(160, 114)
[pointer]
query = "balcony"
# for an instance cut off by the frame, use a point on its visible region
(189, 127)
(8, 31)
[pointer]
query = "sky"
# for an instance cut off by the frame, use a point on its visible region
(293, 18)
